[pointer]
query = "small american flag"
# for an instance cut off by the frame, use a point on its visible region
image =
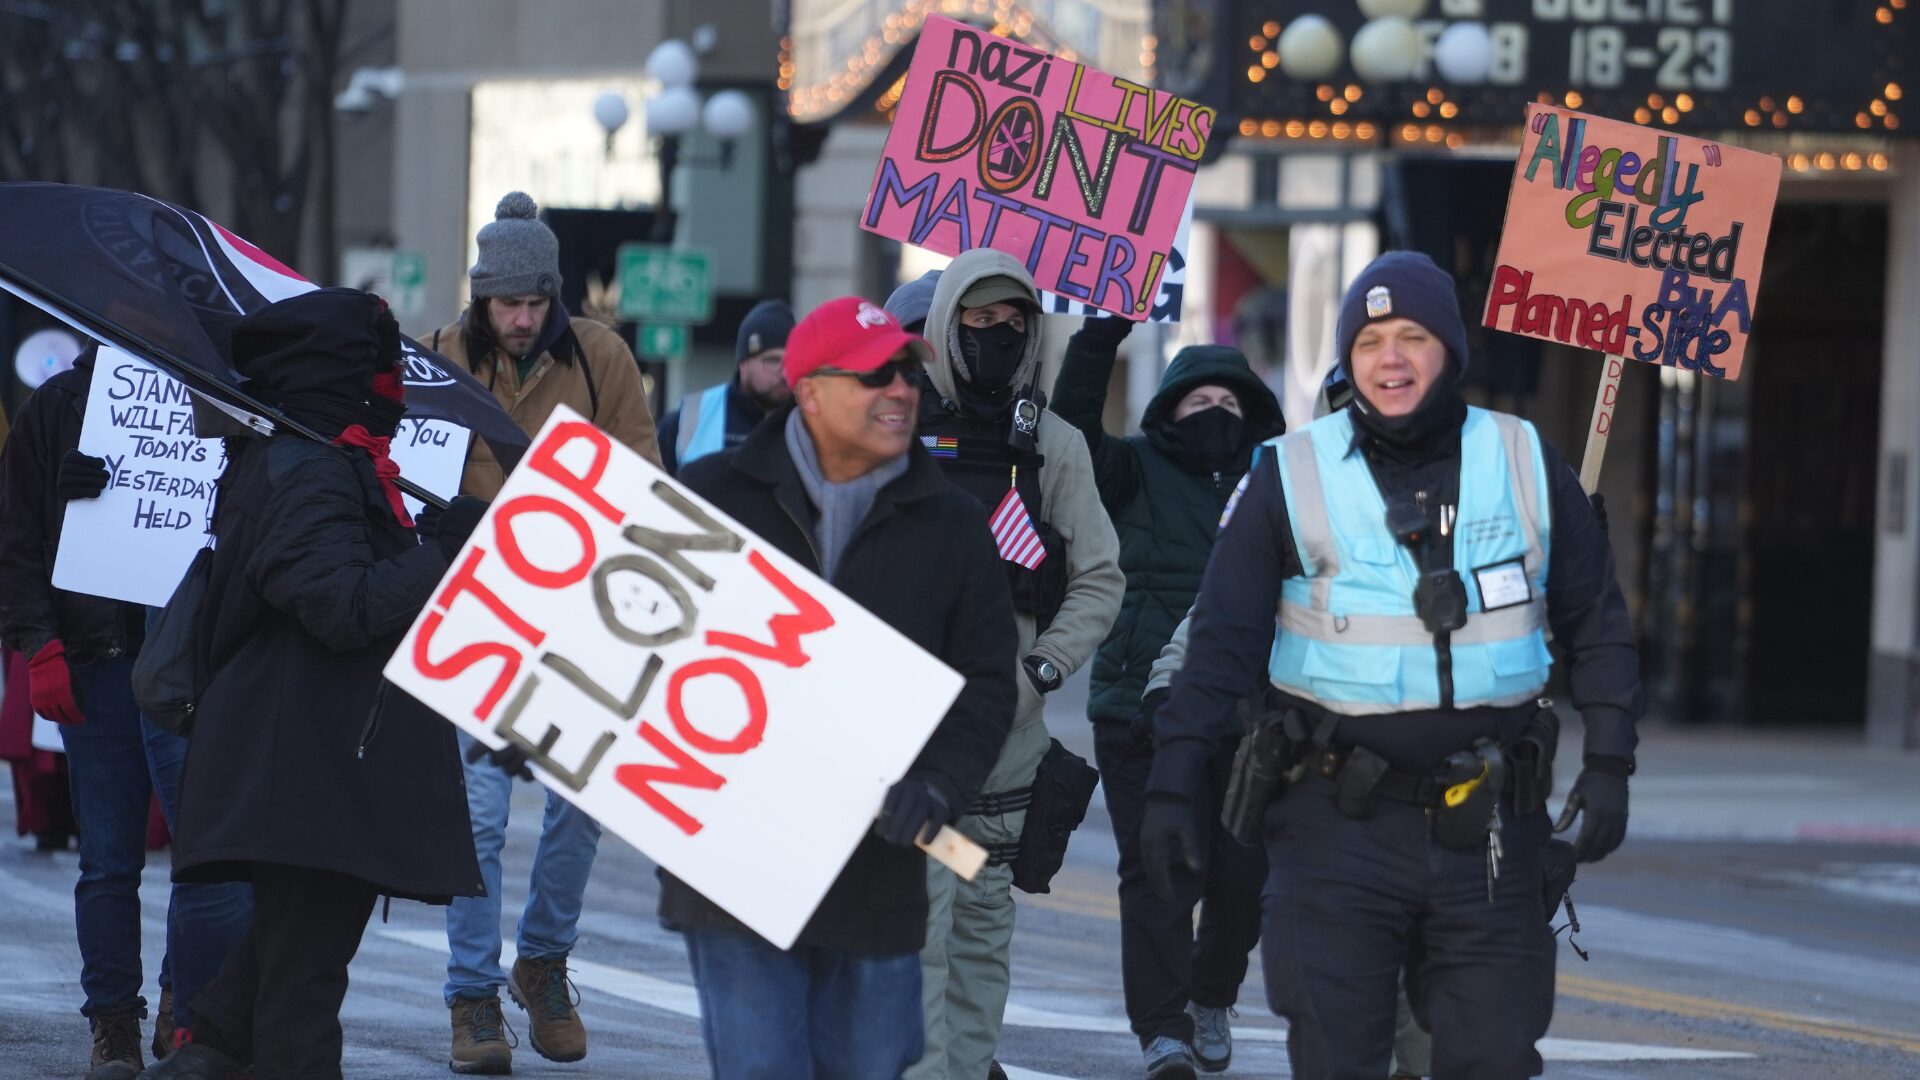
(1013, 531)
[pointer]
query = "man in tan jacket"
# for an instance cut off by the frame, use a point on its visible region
(518, 340)
(982, 421)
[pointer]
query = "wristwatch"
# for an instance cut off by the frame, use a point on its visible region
(1046, 677)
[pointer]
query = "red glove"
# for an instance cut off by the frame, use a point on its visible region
(50, 685)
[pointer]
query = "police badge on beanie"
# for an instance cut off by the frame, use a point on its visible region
(519, 255)
(1407, 285)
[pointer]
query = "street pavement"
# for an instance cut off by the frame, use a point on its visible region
(1763, 921)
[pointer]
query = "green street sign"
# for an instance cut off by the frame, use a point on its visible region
(663, 284)
(665, 341)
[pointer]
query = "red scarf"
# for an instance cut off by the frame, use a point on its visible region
(384, 467)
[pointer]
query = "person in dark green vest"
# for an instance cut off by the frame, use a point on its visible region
(1166, 489)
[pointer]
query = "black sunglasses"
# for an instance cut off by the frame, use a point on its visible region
(879, 378)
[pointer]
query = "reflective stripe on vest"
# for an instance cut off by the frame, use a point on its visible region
(1348, 636)
(703, 424)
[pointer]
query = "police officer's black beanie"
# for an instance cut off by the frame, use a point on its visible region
(765, 327)
(1410, 286)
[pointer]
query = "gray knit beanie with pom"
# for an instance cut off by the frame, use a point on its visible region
(519, 255)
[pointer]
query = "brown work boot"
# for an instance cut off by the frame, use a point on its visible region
(116, 1044)
(163, 1026)
(542, 988)
(480, 1044)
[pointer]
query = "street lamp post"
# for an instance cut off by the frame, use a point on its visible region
(675, 112)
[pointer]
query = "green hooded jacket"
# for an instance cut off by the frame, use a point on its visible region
(1165, 507)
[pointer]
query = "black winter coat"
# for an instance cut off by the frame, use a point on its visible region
(32, 611)
(1165, 507)
(924, 562)
(301, 754)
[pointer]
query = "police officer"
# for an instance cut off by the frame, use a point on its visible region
(719, 417)
(1418, 552)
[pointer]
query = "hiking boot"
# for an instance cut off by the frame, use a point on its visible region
(163, 1026)
(1212, 1037)
(480, 1044)
(1168, 1059)
(116, 1044)
(553, 1026)
(195, 1061)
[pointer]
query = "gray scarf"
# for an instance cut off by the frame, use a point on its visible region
(841, 507)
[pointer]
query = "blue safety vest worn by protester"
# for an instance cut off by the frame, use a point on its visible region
(1348, 636)
(703, 424)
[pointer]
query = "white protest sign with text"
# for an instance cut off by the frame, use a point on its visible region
(134, 542)
(691, 687)
(431, 453)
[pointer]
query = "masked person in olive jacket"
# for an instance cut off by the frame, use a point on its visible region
(306, 774)
(1166, 488)
(836, 482)
(985, 423)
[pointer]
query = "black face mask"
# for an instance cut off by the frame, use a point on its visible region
(993, 355)
(1211, 437)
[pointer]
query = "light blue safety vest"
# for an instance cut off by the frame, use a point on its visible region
(1348, 637)
(703, 424)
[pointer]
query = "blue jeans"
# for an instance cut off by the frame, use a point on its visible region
(561, 864)
(804, 1014)
(116, 762)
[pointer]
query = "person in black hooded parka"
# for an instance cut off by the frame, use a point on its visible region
(305, 773)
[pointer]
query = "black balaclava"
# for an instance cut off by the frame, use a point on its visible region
(993, 356)
(1212, 437)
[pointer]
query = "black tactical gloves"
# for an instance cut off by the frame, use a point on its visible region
(81, 476)
(1104, 333)
(914, 809)
(450, 527)
(1599, 796)
(1170, 837)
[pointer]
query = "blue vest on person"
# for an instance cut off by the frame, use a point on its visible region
(1348, 637)
(703, 424)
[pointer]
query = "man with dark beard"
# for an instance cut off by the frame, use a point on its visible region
(719, 417)
(1418, 552)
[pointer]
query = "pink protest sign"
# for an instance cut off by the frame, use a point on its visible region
(1633, 242)
(1082, 174)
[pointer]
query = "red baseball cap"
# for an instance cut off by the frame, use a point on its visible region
(848, 334)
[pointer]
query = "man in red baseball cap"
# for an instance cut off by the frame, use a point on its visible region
(837, 481)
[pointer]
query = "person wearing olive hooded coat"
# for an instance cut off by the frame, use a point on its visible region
(1166, 488)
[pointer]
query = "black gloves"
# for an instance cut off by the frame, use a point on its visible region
(1169, 838)
(1599, 502)
(1141, 726)
(81, 476)
(914, 809)
(450, 527)
(509, 759)
(1599, 796)
(1103, 333)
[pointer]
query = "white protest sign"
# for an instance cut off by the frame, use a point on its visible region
(1166, 301)
(134, 542)
(431, 453)
(46, 735)
(698, 692)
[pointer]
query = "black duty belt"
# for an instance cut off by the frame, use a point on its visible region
(1422, 790)
(1001, 802)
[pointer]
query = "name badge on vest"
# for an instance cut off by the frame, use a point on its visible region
(1503, 585)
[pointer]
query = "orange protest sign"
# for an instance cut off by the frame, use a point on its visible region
(1633, 242)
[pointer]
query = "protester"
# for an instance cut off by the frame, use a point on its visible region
(306, 775)
(80, 652)
(1407, 655)
(518, 339)
(1165, 489)
(911, 302)
(42, 804)
(719, 417)
(836, 482)
(989, 432)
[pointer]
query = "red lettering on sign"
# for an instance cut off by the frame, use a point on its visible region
(544, 459)
(786, 629)
(464, 658)
(750, 733)
(517, 560)
(640, 779)
(464, 582)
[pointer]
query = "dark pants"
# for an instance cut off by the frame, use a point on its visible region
(804, 1013)
(276, 1003)
(117, 762)
(1362, 900)
(1164, 962)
